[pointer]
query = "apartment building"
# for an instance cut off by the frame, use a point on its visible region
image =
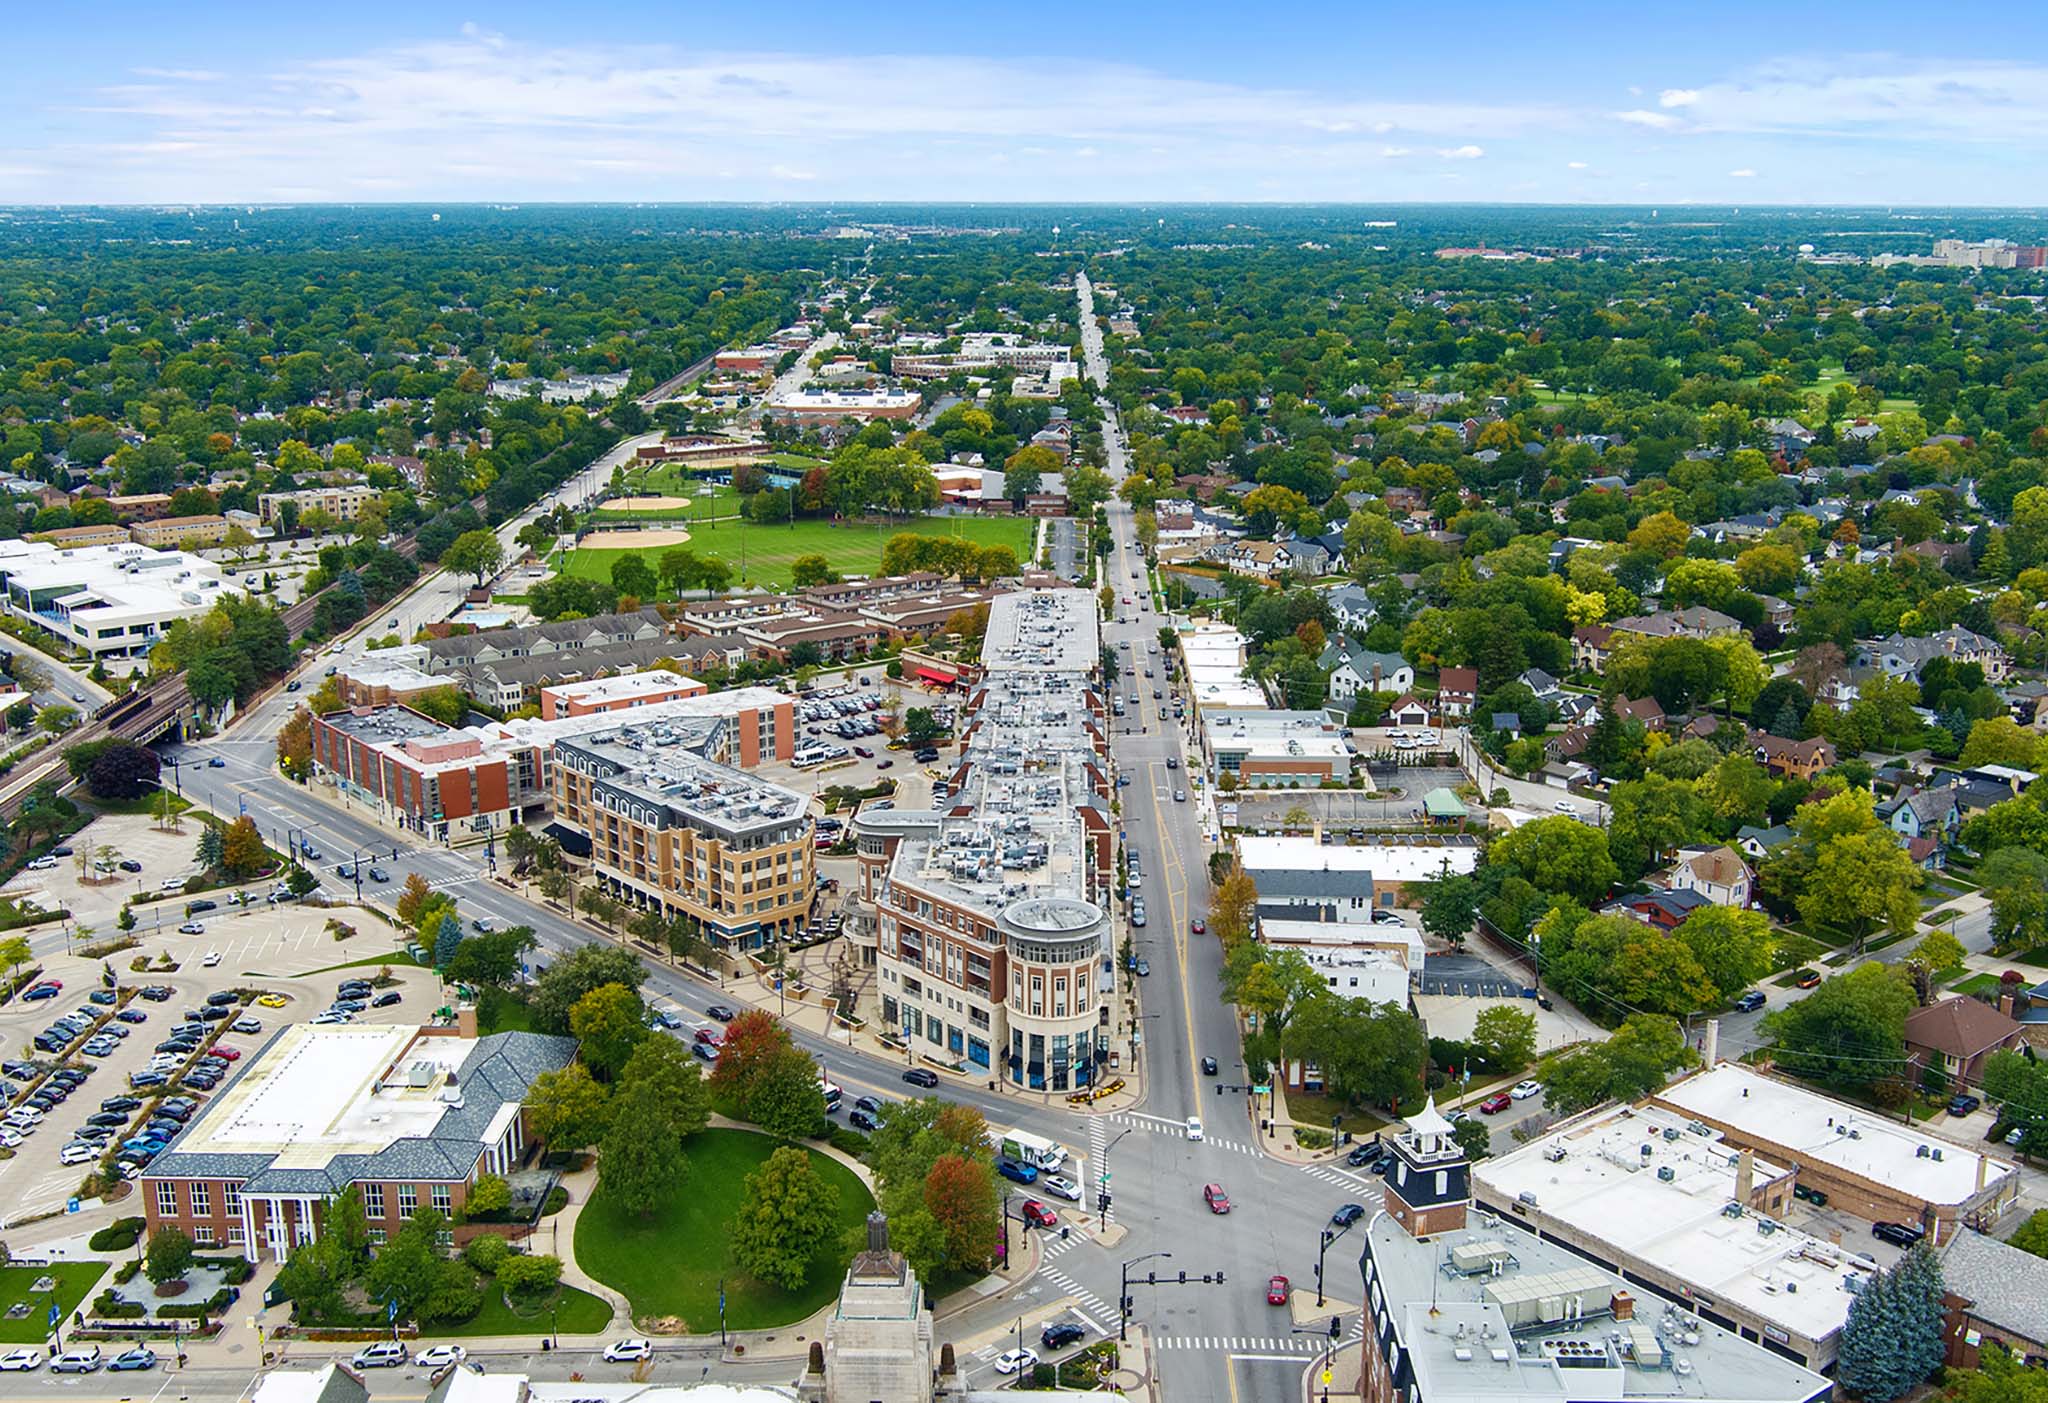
(111, 533)
(989, 918)
(622, 693)
(178, 530)
(341, 503)
(410, 1116)
(672, 831)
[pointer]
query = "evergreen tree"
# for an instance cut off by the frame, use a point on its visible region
(1789, 723)
(211, 847)
(1996, 562)
(1892, 1339)
(1609, 741)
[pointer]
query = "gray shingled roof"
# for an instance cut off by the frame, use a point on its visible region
(2008, 1288)
(498, 1070)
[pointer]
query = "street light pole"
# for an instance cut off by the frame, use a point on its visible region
(1123, 1295)
(1102, 1180)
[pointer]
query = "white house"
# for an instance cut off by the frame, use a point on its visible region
(1354, 669)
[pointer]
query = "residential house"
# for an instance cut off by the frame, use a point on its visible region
(1261, 559)
(1802, 759)
(1354, 609)
(1952, 556)
(1789, 438)
(1456, 689)
(1900, 656)
(1759, 843)
(1542, 684)
(1696, 622)
(1718, 874)
(1592, 645)
(1925, 813)
(1354, 669)
(1664, 910)
(1957, 1034)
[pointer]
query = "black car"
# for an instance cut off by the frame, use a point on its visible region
(156, 993)
(222, 998)
(1347, 1215)
(1060, 1334)
(142, 1079)
(1962, 1104)
(121, 1103)
(132, 1015)
(922, 1076)
(174, 1045)
(20, 1071)
(106, 1118)
(215, 1014)
(1898, 1234)
(386, 1000)
(102, 996)
(1208, 1066)
(378, 874)
(205, 1081)
(347, 1006)
(1362, 1155)
(722, 1013)
(69, 1076)
(860, 1120)
(129, 864)
(194, 907)
(43, 1101)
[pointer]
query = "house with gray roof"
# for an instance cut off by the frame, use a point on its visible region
(411, 1116)
(1355, 669)
(2004, 1295)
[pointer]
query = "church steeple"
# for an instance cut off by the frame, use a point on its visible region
(1430, 1186)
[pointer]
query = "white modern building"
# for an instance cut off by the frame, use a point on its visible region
(1274, 749)
(112, 600)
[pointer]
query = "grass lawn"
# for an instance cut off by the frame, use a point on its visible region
(1313, 1112)
(576, 1312)
(853, 547)
(393, 957)
(1795, 949)
(500, 1013)
(671, 1262)
(145, 805)
(75, 1281)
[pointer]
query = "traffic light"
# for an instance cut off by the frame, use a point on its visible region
(1336, 1326)
(1183, 1278)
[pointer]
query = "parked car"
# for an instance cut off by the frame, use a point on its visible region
(140, 1357)
(384, 1354)
(1216, 1198)
(77, 1361)
(439, 1356)
(192, 928)
(1525, 1089)
(1898, 1234)
(1807, 978)
(1495, 1104)
(626, 1350)
(21, 1361)
(1750, 1002)
(1962, 1103)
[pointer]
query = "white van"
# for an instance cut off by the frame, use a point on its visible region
(385, 1354)
(77, 1361)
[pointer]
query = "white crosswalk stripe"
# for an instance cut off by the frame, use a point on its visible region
(1094, 1310)
(1231, 1344)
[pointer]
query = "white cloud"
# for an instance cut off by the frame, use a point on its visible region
(1574, 165)
(1640, 117)
(180, 75)
(782, 172)
(1463, 153)
(1678, 97)
(1744, 174)
(1394, 152)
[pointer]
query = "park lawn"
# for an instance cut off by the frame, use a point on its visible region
(498, 1012)
(75, 1281)
(672, 1261)
(391, 957)
(852, 547)
(144, 805)
(576, 1312)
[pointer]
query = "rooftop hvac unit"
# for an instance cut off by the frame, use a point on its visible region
(1936, 1154)
(1555, 1154)
(1920, 1151)
(1666, 1174)
(1670, 1132)
(1697, 1127)
(420, 1073)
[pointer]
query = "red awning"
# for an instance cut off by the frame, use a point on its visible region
(932, 674)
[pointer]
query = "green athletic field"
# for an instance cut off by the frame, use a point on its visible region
(854, 548)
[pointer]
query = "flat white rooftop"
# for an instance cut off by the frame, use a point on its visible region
(1345, 935)
(623, 687)
(1385, 862)
(1591, 1175)
(319, 1092)
(1809, 1128)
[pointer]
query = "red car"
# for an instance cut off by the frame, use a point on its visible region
(1196, 927)
(1495, 1104)
(710, 1037)
(1213, 1195)
(1036, 1212)
(1276, 1290)
(233, 1054)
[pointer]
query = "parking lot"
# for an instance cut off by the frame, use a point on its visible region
(95, 898)
(184, 1038)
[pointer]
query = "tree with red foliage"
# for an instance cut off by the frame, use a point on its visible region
(754, 1043)
(960, 1194)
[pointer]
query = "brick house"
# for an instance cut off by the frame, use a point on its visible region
(1957, 1035)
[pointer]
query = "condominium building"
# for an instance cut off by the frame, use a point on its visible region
(410, 1116)
(111, 533)
(624, 692)
(109, 600)
(341, 503)
(178, 530)
(989, 919)
(672, 831)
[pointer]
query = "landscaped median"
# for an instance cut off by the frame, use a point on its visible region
(673, 1263)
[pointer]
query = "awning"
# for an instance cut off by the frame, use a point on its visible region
(573, 843)
(932, 674)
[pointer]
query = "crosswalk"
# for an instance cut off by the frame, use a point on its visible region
(1160, 1125)
(1092, 1308)
(1091, 1182)
(1245, 1344)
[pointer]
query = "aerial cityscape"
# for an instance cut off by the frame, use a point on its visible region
(739, 713)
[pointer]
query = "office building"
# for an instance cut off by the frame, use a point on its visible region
(990, 917)
(1274, 749)
(814, 406)
(108, 600)
(410, 1115)
(1462, 1308)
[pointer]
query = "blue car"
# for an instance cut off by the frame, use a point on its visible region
(1017, 1169)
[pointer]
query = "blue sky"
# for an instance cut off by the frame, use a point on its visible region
(1729, 102)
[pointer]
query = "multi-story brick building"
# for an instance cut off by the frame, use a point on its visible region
(622, 693)
(410, 1116)
(989, 920)
(177, 530)
(670, 830)
(343, 503)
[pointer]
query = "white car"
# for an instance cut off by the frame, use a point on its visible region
(212, 959)
(626, 1350)
(10, 1138)
(1565, 807)
(1016, 1361)
(1060, 1186)
(21, 1361)
(77, 1154)
(192, 928)
(41, 864)
(440, 1356)
(1194, 1127)
(1525, 1089)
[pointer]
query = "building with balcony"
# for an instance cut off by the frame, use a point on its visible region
(992, 931)
(343, 503)
(673, 831)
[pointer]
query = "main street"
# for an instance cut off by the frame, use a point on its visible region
(1213, 1342)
